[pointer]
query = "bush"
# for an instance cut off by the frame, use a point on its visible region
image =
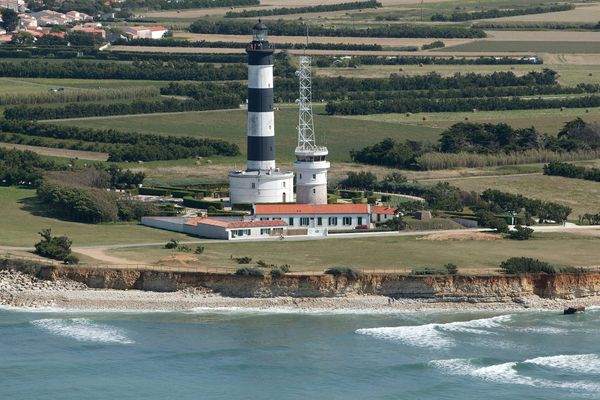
(244, 260)
(285, 268)
(191, 202)
(520, 233)
(184, 248)
(199, 250)
(246, 271)
(277, 273)
(348, 272)
(451, 269)
(429, 271)
(172, 244)
(55, 247)
(525, 265)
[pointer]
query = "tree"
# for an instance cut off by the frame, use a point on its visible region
(55, 247)
(22, 39)
(520, 233)
(10, 19)
(360, 180)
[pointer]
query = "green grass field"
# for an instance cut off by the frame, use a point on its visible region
(533, 46)
(340, 134)
(86, 83)
(386, 252)
(22, 220)
(17, 86)
(581, 195)
(545, 120)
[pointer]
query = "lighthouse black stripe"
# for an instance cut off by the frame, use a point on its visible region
(258, 57)
(261, 148)
(260, 100)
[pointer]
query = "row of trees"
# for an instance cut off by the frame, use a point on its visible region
(293, 28)
(183, 4)
(572, 171)
(499, 13)
(403, 105)
(302, 10)
(143, 70)
(241, 45)
(325, 61)
(74, 95)
(215, 101)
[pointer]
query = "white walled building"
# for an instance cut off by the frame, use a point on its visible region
(146, 32)
(382, 214)
(319, 216)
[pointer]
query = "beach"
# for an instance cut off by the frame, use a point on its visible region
(21, 290)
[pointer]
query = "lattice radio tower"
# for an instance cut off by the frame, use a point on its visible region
(306, 130)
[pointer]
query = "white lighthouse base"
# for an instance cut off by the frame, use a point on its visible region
(261, 187)
(311, 182)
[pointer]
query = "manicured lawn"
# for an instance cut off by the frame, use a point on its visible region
(22, 219)
(386, 252)
(339, 134)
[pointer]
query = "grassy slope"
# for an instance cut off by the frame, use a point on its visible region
(581, 195)
(341, 135)
(388, 252)
(20, 226)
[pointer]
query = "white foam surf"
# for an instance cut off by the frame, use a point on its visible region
(583, 363)
(83, 330)
(435, 335)
(506, 373)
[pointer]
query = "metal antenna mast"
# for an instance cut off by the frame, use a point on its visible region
(306, 131)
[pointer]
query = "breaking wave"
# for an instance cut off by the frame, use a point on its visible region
(434, 335)
(506, 373)
(83, 330)
(584, 363)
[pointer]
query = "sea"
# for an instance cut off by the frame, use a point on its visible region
(283, 354)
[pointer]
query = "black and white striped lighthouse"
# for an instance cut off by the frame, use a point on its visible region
(261, 119)
(261, 182)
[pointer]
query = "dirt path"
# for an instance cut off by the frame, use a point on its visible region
(50, 151)
(98, 253)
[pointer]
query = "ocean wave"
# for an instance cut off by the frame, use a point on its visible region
(434, 335)
(83, 330)
(506, 373)
(298, 310)
(583, 363)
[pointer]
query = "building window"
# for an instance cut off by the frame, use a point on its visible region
(265, 231)
(314, 176)
(253, 185)
(304, 221)
(284, 184)
(300, 176)
(291, 221)
(359, 221)
(278, 230)
(347, 221)
(332, 221)
(319, 221)
(314, 190)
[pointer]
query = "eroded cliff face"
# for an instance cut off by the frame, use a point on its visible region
(491, 288)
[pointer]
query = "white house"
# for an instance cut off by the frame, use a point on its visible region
(146, 32)
(316, 216)
(382, 214)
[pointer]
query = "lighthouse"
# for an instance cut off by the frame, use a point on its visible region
(262, 181)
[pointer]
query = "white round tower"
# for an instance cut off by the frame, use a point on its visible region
(261, 182)
(311, 160)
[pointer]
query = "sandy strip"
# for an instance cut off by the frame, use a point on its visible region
(50, 151)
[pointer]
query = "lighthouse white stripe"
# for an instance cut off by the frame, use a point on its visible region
(260, 76)
(261, 124)
(262, 165)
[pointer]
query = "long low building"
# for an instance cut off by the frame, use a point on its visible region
(324, 216)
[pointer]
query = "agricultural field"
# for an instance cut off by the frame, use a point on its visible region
(491, 46)
(340, 134)
(17, 86)
(583, 13)
(23, 218)
(391, 252)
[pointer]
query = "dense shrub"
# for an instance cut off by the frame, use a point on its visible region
(557, 168)
(438, 44)
(23, 167)
(451, 269)
(247, 271)
(172, 244)
(429, 271)
(525, 265)
(243, 260)
(520, 233)
(348, 272)
(55, 247)
(203, 204)
(183, 4)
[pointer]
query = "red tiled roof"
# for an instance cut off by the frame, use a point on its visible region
(157, 28)
(278, 209)
(235, 224)
(383, 210)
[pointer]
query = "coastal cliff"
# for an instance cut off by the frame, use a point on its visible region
(451, 288)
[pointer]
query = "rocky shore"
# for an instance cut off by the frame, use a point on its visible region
(22, 290)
